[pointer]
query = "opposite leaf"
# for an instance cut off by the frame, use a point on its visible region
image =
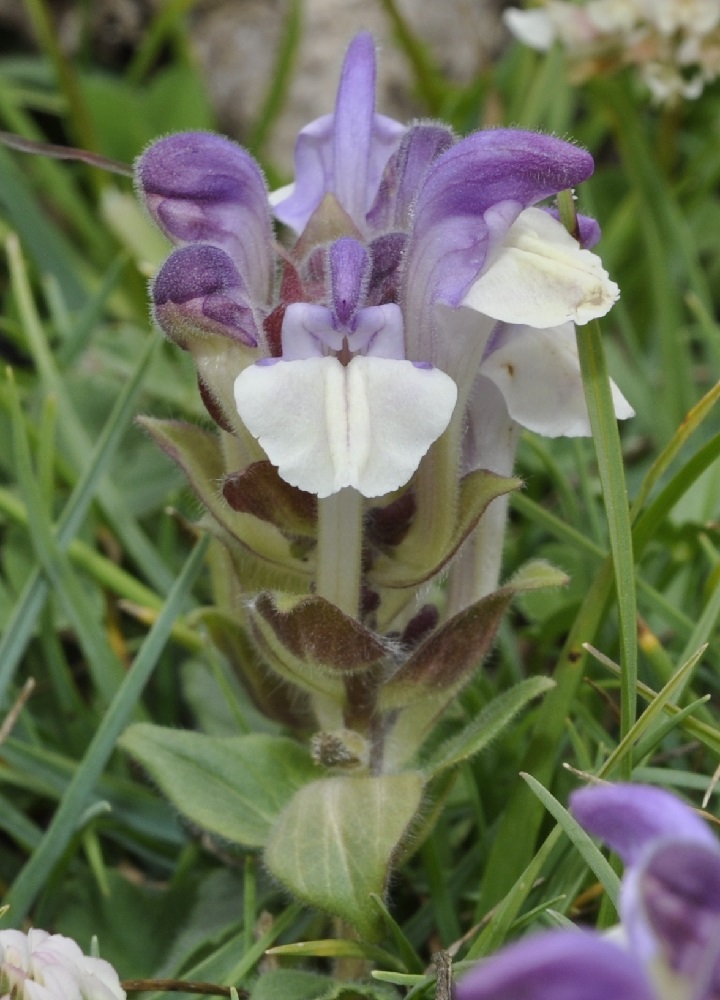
(333, 844)
(234, 788)
(482, 730)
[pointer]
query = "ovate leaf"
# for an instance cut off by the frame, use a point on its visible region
(333, 844)
(233, 787)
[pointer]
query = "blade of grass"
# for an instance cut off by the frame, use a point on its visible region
(31, 879)
(74, 435)
(105, 572)
(20, 627)
(105, 668)
(591, 854)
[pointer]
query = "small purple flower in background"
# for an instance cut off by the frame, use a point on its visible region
(424, 289)
(670, 911)
(42, 966)
(670, 900)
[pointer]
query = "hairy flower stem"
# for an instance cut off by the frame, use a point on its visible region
(339, 550)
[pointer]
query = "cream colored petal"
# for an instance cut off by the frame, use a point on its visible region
(540, 277)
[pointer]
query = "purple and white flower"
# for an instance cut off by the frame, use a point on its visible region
(669, 907)
(423, 278)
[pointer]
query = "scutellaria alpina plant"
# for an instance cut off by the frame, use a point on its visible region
(669, 945)
(369, 366)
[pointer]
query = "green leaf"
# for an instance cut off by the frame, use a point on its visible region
(336, 948)
(420, 556)
(199, 455)
(333, 844)
(294, 984)
(86, 775)
(275, 701)
(606, 439)
(483, 729)
(444, 661)
(233, 787)
(290, 984)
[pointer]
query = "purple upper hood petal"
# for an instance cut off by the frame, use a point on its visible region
(344, 153)
(558, 965)
(199, 290)
(628, 818)
(471, 196)
(405, 172)
(203, 188)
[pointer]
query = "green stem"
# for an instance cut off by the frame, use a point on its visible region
(339, 550)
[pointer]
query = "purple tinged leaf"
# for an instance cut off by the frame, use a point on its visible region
(312, 631)
(558, 965)
(449, 655)
(260, 491)
(344, 153)
(628, 818)
(199, 290)
(233, 641)
(203, 188)
(387, 526)
(213, 407)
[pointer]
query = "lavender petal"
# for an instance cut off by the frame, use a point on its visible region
(558, 965)
(202, 188)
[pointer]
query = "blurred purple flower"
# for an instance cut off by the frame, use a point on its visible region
(559, 965)
(670, 910)
(670, 899)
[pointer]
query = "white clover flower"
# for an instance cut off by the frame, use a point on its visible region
(697, 17)
(42, 966)
(675, 44)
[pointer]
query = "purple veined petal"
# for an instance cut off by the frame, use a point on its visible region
(199, 290)
(378, 332)
(472, 195)
(405, 172)
(628, 818)
(494, 166)
(538, 374)
(203, 188)
(678, 896)
(344, 153)
(349, 271)
(558, 965)
(307, 329)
